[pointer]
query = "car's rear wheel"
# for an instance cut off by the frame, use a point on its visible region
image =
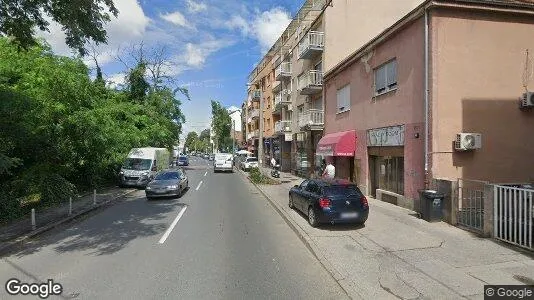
(312, 217)
(290, 202)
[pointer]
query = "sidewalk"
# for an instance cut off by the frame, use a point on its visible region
(51, 215)
(396, 255)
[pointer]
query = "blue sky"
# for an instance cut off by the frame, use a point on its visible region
(212, 44)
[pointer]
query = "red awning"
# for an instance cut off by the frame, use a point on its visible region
(337, 144)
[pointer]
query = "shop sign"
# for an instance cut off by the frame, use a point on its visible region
(387, 136)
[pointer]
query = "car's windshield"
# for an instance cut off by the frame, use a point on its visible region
(183, 158)
(138, 164)
(168, 176)
(252, 159)
(341, 190)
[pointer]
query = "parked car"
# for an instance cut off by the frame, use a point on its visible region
(223, 162)
(167, 183)
(249, 162)
(329, 201)
(183, 161)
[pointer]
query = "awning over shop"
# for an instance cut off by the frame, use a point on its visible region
(337, 144)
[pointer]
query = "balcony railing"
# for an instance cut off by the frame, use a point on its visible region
(283, 71)
(256, 95)
(254, 113)
(312, 118)
(311, 82)
(312, 43)
(253, 134)
(282, 126)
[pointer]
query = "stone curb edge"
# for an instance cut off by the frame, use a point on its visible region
(303, 236)
(11, 244)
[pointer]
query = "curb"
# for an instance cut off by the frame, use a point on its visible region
(11, 244)
(304, 237)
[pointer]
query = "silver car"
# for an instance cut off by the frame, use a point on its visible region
(167, 183)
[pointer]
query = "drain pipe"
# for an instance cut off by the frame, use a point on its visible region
(426, 97)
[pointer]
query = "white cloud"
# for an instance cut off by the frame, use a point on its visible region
(269, 26)
(265, 27)
(177, 18)
(116, 80)
(195, 7)
(129, 26)
(195, 55)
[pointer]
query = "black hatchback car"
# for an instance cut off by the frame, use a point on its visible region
(329, 201)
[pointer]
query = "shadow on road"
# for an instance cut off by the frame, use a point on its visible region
(106, 230)
(334, 227)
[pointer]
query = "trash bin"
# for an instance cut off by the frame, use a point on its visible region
(431, 205)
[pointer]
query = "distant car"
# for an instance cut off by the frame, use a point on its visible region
(223, 162)
(329, 201)
(167, 183)
(249, 162)
(212, 157)
(183, 161)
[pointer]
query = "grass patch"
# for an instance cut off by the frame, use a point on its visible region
(259, 178)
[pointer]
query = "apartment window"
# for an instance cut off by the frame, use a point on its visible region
(343, 99)
(268, 102)
(386, 77)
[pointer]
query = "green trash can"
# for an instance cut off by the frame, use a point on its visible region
(431, 205)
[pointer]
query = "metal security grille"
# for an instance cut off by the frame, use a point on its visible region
(514, 215)
(470, 211)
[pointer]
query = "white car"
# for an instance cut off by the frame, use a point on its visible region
(223, 162)
(249, 162)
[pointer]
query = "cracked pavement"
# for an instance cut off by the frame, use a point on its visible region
(398, 256)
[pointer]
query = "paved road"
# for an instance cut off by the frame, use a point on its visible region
(229, 243)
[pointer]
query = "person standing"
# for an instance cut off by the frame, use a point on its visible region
(329, 171)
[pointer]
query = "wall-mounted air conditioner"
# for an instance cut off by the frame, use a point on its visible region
(468, 141)
(527, 101)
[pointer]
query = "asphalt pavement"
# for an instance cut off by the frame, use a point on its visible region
(221, 240)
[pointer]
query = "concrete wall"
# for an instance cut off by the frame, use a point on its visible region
(402, 106)
(478, 61)
(349, 24)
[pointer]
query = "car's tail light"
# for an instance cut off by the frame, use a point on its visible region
(324, 202)
(364, 202)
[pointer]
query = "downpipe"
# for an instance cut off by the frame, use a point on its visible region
(426, 99)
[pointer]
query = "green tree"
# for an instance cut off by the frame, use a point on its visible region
(191, 140)
(222, 126)
(82, 21)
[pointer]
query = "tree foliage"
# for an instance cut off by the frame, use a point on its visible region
(61, 131)
(191, 140)
(222, 126)
(82, 21)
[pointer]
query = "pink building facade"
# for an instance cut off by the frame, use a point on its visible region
(476, 58)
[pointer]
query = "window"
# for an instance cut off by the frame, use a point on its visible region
(386, 77)
(343, 99)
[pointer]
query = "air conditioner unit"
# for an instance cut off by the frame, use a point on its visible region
(527, 100)
(468, 141)
(290, 107)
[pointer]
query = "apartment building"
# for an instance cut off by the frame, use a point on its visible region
(444, 92)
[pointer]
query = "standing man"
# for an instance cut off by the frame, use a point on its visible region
(330, 170)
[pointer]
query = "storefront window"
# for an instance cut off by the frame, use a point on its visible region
(391, 174)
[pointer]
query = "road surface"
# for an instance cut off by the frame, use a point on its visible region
(221, 240)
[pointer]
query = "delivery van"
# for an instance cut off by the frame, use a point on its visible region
(142, 164)
(223, 162)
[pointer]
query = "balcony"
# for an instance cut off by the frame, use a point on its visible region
(312, 119)
(311, 44)
(283, 126)
(311, 82)
(283, 71)
(277, 86)
(256, 95)
(253, 134)
(254, 113)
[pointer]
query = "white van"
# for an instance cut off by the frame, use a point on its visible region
(223, 162)
(142, 164)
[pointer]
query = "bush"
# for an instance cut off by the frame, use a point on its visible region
(257, 177)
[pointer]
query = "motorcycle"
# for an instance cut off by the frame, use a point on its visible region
(275, 171)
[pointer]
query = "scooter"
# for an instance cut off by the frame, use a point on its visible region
(275, 171)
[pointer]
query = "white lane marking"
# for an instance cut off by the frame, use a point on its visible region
(198, 186)
(166, 234)
(205, 173)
